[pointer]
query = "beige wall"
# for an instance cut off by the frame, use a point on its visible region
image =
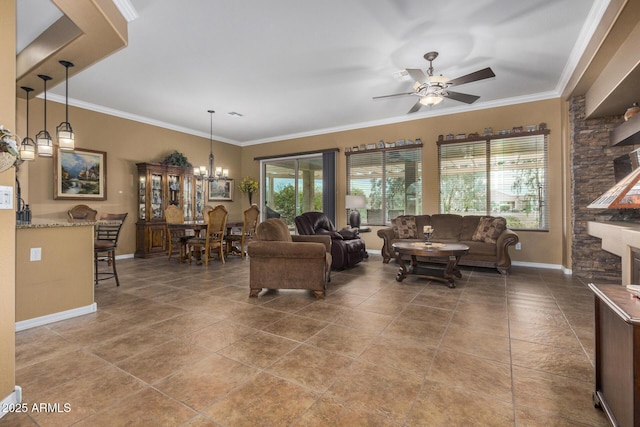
(537, 247)
(7, 217)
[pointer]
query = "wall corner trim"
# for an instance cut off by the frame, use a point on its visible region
(14, 398)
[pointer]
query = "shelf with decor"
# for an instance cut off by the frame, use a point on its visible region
(627, 133)
(158, 187)
(493, 136)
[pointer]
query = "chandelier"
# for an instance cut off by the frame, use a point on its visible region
(212, 174)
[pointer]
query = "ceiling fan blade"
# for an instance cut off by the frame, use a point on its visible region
(417, 75)
(485, 73)
(415, 107)
(462, 97)
(394, 95)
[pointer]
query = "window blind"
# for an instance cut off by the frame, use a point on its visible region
(391, 181)
(500, 176)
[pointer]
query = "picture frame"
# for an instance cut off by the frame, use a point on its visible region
(80, 174)
(221, 190)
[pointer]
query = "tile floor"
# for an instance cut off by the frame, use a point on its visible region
(180, 345)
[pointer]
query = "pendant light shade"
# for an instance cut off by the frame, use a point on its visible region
(64, 132)
(43, 139)
(27, 147)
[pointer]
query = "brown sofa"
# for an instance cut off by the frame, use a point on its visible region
(462, 229)
(279, 260)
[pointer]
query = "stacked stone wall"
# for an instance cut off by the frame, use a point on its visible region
(591, 175)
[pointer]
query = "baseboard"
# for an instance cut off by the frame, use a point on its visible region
(56, 317)
(541, 265)
(125, 256)
(13, 399)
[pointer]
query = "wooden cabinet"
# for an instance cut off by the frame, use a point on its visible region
(617, 333)
(158, 187)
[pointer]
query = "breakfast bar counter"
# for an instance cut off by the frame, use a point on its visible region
(54, 271)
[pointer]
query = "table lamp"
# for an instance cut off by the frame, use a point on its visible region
(353, 203)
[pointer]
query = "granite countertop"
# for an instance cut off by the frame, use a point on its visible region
(54, 223)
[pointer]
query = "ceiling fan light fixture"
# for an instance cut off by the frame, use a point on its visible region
(431, 99)
(438, 80)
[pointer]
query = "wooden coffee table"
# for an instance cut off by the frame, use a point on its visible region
(451, 252)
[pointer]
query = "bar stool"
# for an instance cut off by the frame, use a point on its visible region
(105, 244)
(81, 213)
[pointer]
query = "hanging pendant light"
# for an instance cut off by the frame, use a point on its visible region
(43, 139)
(27, 147)
(214, 174)
(64, 132)
(211, 173)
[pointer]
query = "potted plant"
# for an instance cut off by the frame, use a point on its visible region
(177, 159)
(249, 186)
(8, 149)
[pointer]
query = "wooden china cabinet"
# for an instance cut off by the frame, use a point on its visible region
(158, 187)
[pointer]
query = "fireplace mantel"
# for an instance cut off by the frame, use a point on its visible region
(619, 238)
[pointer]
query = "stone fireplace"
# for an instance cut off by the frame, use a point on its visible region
(592, 173)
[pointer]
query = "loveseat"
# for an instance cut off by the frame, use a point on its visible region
(488, 237)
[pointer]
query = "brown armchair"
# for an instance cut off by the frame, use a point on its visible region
(279, 260)
(347, 247)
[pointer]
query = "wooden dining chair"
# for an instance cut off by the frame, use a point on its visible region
(105, 244)
(176, 237)
(248, 231)
(82, 213)
(214, 239)
(205, 212)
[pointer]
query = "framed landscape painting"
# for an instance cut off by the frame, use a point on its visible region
(80, 174)
(221, 190)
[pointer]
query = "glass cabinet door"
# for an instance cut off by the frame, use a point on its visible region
(188, 197)
(142, 195)
(156, 196)
(173, 186)
(199, 198)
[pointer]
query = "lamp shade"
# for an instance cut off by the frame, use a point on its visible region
(355, 202)
(431, 99)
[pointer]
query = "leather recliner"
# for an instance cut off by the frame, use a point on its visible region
(347, 247)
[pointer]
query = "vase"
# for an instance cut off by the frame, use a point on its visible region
(250, 196)
(6, 160)
(631, 111)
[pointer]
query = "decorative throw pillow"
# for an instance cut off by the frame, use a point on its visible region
(404, 227)
(489, 229)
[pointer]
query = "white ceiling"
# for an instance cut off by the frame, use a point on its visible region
(303, 67)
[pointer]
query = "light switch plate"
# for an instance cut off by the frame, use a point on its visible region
(6, 197)
(36, 254)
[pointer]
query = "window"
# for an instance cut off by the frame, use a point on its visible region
(390, 179)
(501, 176)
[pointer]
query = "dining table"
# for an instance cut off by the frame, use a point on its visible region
(198, 225)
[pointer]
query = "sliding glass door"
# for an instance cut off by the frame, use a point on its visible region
(291, 186)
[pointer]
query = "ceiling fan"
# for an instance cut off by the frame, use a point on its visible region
(433, 89)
